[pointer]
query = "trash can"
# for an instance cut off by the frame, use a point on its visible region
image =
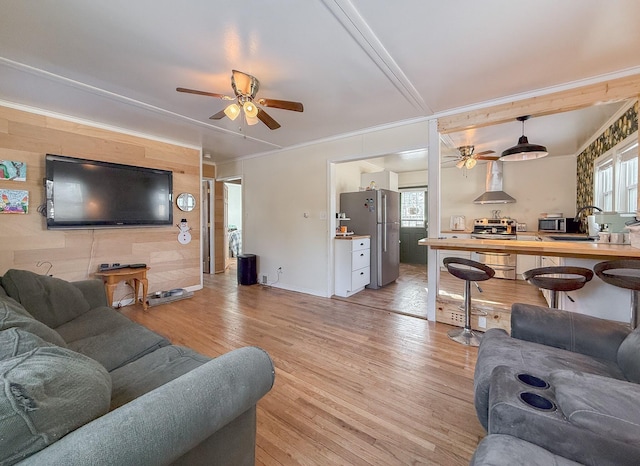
(247, 270)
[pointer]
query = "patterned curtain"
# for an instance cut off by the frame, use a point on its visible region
(623, 127)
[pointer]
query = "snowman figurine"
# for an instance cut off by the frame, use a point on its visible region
(184, 237)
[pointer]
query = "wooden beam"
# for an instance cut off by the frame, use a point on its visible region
(556, 102)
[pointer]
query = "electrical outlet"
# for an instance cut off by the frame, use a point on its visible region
(482, 322)
(264, 279)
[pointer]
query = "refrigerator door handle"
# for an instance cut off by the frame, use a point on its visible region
(384, 222)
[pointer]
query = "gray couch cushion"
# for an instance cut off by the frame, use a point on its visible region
(50, 300)
(110, 338)
(15, 341)
(628, 356)
(13, 314)
(600, 404)
(505, 450)
(151, 371)
(45, 394)
(498, 348)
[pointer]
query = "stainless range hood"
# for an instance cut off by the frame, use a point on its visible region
(494, 193)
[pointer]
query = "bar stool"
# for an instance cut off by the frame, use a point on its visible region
(547, 278)
(623, 273)
(469, 271)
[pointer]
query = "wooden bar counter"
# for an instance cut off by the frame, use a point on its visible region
(575, 249)
(446, 304)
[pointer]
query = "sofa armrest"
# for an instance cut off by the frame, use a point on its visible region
(164, 424)
(605, 406)
(571, 331)
(93, 291)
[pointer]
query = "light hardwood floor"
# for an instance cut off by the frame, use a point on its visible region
(355, 383)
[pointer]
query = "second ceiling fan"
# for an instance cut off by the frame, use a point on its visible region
(468, 158)
(245, 88)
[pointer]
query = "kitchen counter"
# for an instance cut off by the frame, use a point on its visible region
(578, 249)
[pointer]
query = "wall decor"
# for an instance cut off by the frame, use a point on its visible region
(14, 201)
(13, 170)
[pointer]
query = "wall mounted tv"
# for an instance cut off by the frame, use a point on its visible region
(91, 194)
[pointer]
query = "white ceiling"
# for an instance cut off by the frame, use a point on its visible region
(355, 64)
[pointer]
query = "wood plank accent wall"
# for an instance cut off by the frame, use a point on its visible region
(76, 254)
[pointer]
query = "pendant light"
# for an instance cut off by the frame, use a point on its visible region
(523, 150)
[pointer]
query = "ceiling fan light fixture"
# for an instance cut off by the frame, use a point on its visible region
(470, 163)
(250, 109)
(232, 111)
(251, 121)
(460, 163)
(523, 150)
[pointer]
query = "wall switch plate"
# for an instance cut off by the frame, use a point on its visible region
(482, 322)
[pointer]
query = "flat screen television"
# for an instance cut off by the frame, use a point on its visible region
(91, 194)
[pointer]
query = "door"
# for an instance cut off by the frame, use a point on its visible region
(413, 226)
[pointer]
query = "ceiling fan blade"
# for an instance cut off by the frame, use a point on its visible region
(244, 84)
(487, 157)
(209, 94)
(484, 152)
(218, 116)
(283, 104)
(267, 120)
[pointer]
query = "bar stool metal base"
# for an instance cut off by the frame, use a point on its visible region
(465, 336)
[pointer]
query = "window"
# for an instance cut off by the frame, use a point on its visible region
(616, 177)
(412, 208)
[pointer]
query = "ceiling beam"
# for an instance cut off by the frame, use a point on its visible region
(562, 101)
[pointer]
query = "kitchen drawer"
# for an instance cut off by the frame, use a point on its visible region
(359, 244)
(360, 259)
(360, 278)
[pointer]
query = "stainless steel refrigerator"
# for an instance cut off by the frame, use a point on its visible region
(376, 213)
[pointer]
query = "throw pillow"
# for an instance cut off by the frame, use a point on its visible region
(15, 341)
(45, 394)
(14, 315)
(50, 300)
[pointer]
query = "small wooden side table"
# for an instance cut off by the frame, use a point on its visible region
(111, 278)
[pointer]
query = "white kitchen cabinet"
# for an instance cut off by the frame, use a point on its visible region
(352, 264)
(461, 254)
(526, 262)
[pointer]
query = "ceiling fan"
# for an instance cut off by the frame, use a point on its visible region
(245, 88)
(467, 158)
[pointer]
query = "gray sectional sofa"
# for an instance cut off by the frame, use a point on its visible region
(563, 384)
(82, 384)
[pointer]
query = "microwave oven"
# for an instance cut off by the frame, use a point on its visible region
(559, 225)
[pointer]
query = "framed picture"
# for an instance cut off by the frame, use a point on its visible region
(13, 201)
(13, 170)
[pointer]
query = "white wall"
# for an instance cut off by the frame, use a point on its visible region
(412, 179)
(234, 205)
(542, 185)
(280, 188)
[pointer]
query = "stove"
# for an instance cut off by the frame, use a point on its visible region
(504, 264)
(494, 228)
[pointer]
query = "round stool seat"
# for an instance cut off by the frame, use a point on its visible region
(541, 278)
(606, 272)
(623, 273)
(470, 270)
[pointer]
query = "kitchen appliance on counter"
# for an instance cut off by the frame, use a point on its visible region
(558, 225)
(376, 213)
(457, 223)
(504, 264)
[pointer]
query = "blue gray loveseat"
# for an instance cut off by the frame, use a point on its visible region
(82, 384)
